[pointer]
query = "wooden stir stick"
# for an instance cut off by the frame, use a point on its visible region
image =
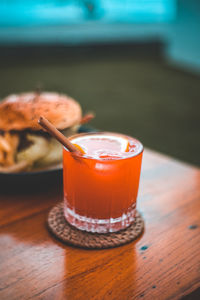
(58, 135)
(87, 118)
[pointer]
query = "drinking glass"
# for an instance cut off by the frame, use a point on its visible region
(100, 194)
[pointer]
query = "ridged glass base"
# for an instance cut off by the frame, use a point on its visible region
(100, 225)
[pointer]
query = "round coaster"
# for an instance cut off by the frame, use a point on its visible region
(70, 235)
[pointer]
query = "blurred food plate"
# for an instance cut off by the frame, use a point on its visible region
(37, 178)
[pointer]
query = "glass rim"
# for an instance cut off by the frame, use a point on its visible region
(85, 156)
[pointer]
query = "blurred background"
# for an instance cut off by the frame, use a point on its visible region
(136, 63)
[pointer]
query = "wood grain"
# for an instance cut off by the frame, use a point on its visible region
(163, 264)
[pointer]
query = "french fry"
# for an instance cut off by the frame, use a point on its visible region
(16, 168)
(13, 141)
(8, 147)
(1, 157)
(4, 144)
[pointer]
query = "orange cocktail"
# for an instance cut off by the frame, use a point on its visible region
(101, 185)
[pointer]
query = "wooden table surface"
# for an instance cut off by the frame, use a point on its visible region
(163, 264)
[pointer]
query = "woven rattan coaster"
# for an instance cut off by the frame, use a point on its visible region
(70, 235)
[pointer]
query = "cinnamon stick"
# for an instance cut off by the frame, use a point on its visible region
(58, 135)
(87, 118)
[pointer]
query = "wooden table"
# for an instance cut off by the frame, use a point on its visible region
(163, 264)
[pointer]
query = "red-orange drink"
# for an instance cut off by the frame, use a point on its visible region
(101, 186)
